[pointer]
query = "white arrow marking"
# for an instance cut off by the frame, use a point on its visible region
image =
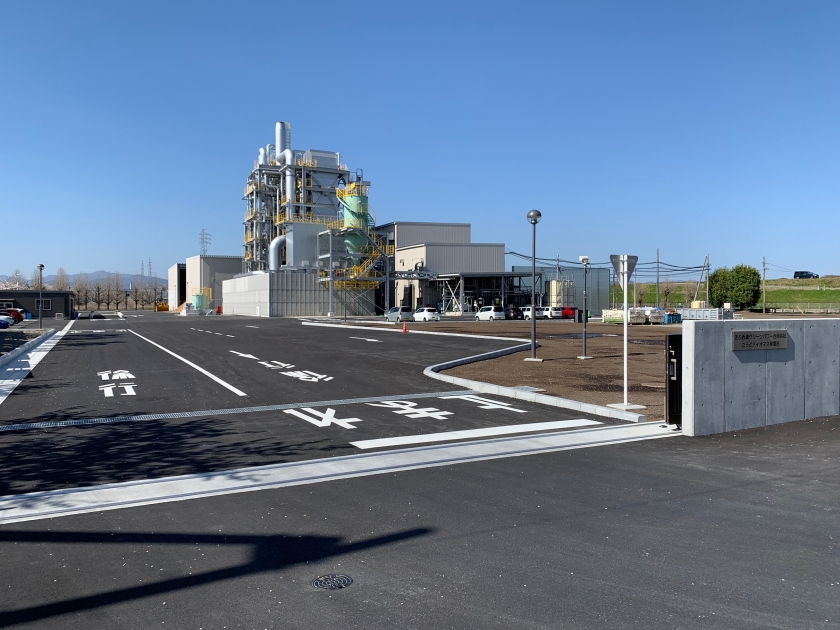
(245, 356)
(366, 339)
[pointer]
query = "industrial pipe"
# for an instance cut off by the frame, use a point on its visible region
(274, 253)
(261, 161)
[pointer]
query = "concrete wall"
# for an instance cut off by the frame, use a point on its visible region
(725, 390)
(247, 295)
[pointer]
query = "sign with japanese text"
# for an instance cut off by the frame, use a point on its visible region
(759, 340)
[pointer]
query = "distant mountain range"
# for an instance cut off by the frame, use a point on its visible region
(127, 278)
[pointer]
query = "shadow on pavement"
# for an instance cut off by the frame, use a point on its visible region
(268, 553)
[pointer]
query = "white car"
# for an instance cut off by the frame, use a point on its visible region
(8, 319)
(541, 312)
(489, 313)
(426, 315)
(555, 312)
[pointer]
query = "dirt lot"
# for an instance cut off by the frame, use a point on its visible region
(598, 380)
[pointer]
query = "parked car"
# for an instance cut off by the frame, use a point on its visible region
(554, 312)
(13, 313)
(426, 314)
(9, 320)
(489, 313)
(804, 274)
(514, 312)
(526, 312)
(399, 314)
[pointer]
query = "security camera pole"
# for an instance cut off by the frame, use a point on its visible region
(585, 262)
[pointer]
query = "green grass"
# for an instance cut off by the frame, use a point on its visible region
(799, 296)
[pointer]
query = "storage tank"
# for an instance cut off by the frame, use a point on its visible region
(354, 198)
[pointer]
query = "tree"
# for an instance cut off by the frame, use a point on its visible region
(17, 280)
(665, 289)
(740, 286)
(119, 294)
(36, 279)
(81, 286)
(107, 293)
(745, 287)
(61, 282)
(97, 293)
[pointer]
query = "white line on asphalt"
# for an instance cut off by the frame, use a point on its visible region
(193, 365)
(24, 366)
(228, 335)
(41, 505)
(247, 326)
(449, 436)
(365, 339)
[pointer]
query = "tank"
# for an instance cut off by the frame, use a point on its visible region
(356, 215)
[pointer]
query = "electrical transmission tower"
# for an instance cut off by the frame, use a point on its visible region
(203, 241)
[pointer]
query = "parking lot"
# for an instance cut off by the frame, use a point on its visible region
(157, 465)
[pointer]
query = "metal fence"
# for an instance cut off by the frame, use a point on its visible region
(801, 307)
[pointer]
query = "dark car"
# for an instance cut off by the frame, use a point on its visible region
(513, 312)
(3, 324)
(804, 274)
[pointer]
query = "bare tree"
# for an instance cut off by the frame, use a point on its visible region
(97, 293)
(81, 287)
(17, 280)
(665, 290)
(36, 279)
(61, 281)
(107, 293)
(119, 294)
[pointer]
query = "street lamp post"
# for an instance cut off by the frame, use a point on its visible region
(40, 295)
(534, 217)
(585, 262)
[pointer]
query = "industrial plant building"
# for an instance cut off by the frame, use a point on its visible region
(312, 246)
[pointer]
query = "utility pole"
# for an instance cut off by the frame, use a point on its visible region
(657, 277)
(763, 285)
(708, 269)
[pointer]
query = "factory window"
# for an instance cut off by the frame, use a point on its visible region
(7, 304)
(47, 305)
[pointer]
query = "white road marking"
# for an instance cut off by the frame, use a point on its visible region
(365, 339)
(33, 358)
(247, 326)
(326, 417)
(244, 356)
(448, 436)
(41, 505)
(228, 335)
(485, 403)
(193, 365)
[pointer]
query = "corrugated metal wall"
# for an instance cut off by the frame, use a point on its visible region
(291, 294)
(408, 234)
(457, 258)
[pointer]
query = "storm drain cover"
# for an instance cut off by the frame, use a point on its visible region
(332, 582)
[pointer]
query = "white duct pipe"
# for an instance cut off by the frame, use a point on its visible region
(279, 137)
(289, 159)
(261, 160)
(274, 253)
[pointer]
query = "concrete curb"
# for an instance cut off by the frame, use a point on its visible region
(510, 392)
(14, 354)
(413, 332)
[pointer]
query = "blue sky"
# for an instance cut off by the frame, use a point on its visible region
(696, 127)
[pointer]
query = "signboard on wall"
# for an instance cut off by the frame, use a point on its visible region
(759, 340)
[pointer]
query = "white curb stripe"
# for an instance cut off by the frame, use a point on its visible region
(41, 505)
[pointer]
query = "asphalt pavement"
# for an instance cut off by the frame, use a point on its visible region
(733, 531)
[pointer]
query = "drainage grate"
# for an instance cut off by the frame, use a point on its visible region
(332, 582)
(648, 342)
